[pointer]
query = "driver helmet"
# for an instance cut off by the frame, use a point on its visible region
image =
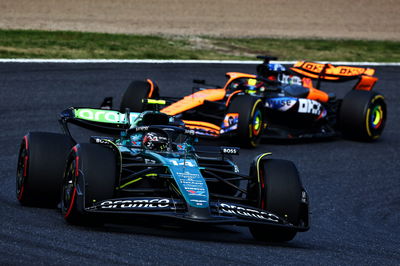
(276, 67)
(270, 70)
(155, 141)
(244, 84)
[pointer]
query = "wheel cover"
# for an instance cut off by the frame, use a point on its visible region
(257, 123)
(376, 117)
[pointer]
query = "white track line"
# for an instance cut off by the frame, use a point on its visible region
(151, 61)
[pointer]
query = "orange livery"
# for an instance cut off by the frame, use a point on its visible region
(275, 102)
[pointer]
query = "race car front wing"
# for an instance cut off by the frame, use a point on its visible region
(217, 213)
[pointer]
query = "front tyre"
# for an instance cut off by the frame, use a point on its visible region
(278, 190)
(41, 163)
(89, 178)
(251, 122)
(362, 115)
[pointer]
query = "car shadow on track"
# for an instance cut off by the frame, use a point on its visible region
(206, 233)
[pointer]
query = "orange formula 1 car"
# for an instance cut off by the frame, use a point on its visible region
(276, 103)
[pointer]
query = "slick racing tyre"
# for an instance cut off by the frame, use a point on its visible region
(89, 177)
(281, 194)
(251, 122)
(362, 115)
(136, 92)
(41, 163)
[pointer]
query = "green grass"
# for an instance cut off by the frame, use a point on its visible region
(78, 45)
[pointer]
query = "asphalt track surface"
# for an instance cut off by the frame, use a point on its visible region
(354, 187)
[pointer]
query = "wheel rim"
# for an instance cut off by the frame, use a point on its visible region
(376, 117)
(257, 123)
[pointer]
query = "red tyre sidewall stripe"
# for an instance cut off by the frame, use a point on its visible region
(75, 149)
(76, 165)
(26, 142)
(25, 165)
(72, 202)
(71, 205)
(21, 192)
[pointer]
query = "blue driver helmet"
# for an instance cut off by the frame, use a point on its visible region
(276, 67)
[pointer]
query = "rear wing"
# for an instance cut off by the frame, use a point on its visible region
(97, 119)
(112, 121)
(330, 72)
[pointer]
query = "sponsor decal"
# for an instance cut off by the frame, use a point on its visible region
(182, 162)
(247, 212)
(153, 101)
(193, 184)
(149, 161)
(231, 119)
(349, 71)
(197, 192)
(282, 103)
(101, 140)
(193, 187)
(230, 150)
(103, 116)
(230, 122)
(289, 79)
(135, 204)
(335, 70)
(142, 128)
(314, 67)
(199, 201)
(190, 181)
(308, 106)
(191, 132)
(136, 139)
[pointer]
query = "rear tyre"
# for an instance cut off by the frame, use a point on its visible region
(135, 93)
(251, 122)
(281, 193)
(41, 163)
(89, 178)
(362, 115)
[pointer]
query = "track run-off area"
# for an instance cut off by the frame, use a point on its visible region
(354, 187)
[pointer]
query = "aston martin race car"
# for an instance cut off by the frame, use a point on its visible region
(277, 103)
(148, 165)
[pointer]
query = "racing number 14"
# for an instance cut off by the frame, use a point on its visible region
(185, 163)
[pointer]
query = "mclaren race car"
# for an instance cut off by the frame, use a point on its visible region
(276, 103)
(149, 166)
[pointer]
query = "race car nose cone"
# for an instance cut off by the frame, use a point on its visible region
(199, 213)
